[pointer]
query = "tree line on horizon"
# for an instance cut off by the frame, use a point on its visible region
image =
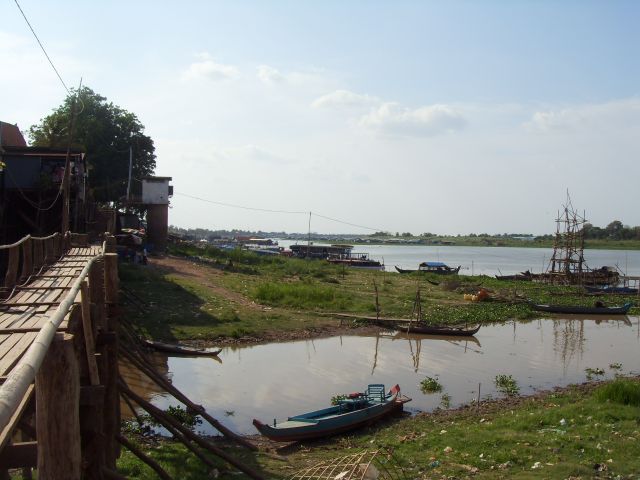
(615, 230)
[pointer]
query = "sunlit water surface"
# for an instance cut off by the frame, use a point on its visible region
(282, 379)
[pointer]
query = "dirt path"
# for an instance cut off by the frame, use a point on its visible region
(205, 275)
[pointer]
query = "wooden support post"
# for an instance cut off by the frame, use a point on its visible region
(87, 329)
(110, 354)
(38, 254)
(27, 260)
(57, 412)
(12, 268)
(111, 243)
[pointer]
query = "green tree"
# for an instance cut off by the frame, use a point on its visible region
(105, 132)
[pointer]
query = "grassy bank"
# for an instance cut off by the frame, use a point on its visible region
(236, 294)
(583, 431)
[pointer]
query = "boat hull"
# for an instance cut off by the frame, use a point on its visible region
(583, 310)
(434, 330)
(330, 421)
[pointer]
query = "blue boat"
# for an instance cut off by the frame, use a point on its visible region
(357, 410)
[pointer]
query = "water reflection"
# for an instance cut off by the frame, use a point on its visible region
(278, 380)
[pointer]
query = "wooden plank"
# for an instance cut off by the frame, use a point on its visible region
(5, 435)
(7, 362)
(7, 346)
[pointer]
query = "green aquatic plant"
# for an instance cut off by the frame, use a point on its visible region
(507, 385)
(593, 372)
(430, 385)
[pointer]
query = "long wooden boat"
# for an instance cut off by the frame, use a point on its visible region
(357, 263)
(423, 328)
(521, 277)
(180, 350)
(583, 310)
(612, 290)
(438, 268)
(357, 410)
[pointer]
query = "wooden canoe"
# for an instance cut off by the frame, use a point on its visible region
(353, 412)
(583, 310)
(612, 290)
(180, 350)
(423, 328)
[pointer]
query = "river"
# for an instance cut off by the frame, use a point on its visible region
(490, 260)
(282, 379)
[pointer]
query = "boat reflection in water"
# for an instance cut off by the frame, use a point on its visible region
(274, 380)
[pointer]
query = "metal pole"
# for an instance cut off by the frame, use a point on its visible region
(130, 168)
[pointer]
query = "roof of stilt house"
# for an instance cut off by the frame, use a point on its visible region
(11, 136)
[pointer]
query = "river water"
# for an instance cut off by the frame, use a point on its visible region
(490, 260)
(283, 379)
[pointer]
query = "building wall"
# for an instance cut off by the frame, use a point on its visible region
(157, 226)
(155, 192)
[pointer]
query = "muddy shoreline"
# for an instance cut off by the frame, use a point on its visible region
(283, 336)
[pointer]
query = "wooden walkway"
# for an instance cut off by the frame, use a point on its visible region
(28, 306)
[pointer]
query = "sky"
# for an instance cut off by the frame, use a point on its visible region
(449, 117)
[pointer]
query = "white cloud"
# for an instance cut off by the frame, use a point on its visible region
(614, 115)
(208, 69)
(344, 98)
(270, 75)
(393, 119)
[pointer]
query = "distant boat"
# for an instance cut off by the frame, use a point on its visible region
(357, 262)
(597, 310)
(356, 410)
(612, 290)
(438, 268)
(522, 277)
(426, 329)
(180, 350)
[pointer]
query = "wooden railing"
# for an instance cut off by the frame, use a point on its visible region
(29, 255)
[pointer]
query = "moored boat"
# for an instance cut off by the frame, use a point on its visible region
(522, 277)
(356, 410)
(596, 310)
(612, 290)
(180, 350)
(438, 268)
(426, 329)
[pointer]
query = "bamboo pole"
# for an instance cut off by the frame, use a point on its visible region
(166, 419)
(146, 459)
(148, 370)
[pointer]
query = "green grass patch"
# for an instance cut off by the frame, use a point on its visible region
(622, 391)
(301, 295)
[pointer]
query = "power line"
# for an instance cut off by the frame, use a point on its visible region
(242, 206)
(42, 47)
(231, 205)
(347, 223)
